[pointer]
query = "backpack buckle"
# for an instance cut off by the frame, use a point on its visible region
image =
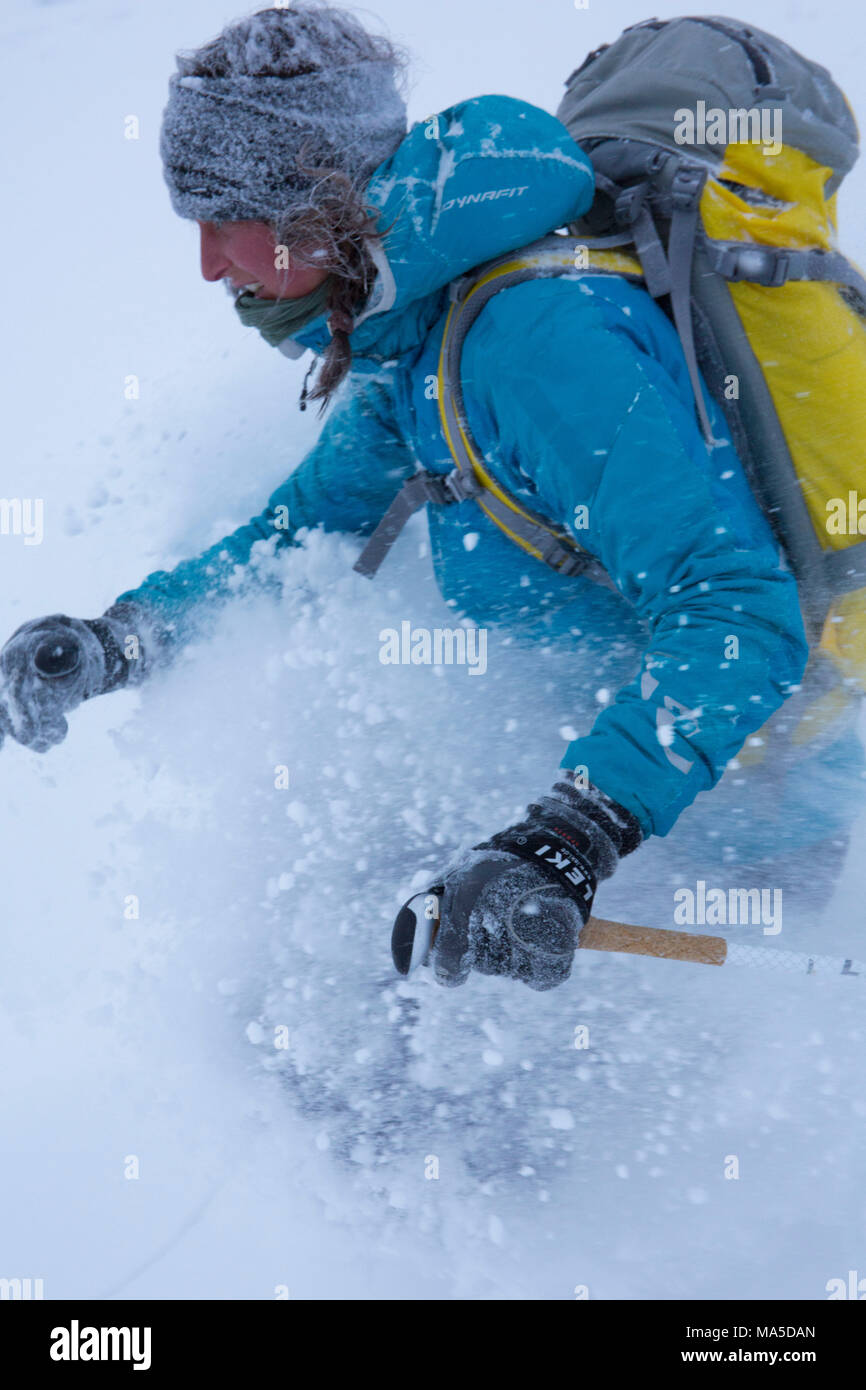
(628, 204)
(461, 486)
(570, 564)
(759, 265)
(686, 186)
(457, 288)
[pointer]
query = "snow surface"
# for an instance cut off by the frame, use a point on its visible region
(265, 908)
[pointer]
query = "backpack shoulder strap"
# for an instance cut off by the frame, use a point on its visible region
(471, 478)
(551, 256)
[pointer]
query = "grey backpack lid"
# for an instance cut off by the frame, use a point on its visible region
(631, 89)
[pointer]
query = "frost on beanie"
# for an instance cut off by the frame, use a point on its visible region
(306, 81)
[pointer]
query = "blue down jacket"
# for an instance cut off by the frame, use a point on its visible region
(576, 391)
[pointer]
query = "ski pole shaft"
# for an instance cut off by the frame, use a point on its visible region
(600, 934)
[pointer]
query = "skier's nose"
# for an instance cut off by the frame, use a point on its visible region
(214, 262)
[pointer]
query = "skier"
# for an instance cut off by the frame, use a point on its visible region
(338, 230)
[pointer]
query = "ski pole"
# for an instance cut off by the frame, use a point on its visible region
(418, 920)
(602, 935)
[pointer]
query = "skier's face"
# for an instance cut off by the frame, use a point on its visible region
(245, 253)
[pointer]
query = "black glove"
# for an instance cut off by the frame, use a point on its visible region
(515, 904)
(50, 665)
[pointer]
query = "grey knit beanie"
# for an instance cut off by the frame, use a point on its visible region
(306, 81)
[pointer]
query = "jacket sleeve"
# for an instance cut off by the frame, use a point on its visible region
(345, 483)
(593, 422)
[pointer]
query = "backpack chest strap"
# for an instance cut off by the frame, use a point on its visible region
(416, 492)
(777, 265)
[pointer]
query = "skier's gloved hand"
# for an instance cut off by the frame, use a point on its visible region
(50, 665)
(515, 904)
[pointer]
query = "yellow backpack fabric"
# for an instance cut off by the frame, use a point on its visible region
(810, 343)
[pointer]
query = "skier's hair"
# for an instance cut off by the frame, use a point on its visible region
(331, 231)
(331, 227)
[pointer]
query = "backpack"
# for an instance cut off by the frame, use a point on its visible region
(739, 247)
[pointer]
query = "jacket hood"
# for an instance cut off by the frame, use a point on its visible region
(477, 180)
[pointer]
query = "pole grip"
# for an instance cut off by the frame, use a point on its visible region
(600, 934)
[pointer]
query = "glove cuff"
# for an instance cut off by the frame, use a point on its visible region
(575, 836)
(590, 803)
(129, 642)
